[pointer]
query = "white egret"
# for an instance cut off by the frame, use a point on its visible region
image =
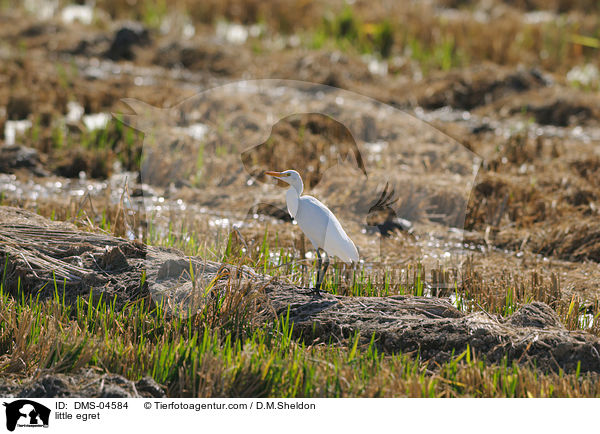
(318, 223)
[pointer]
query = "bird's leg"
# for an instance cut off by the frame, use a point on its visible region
(319, 263)
(315, 290)
(317, 287)
(321, 273)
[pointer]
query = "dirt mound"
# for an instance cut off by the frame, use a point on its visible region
(325, 67)
(537, 315)
(561, 113)
(127, 36)
(203, 55)
(122, 43)
(476, 86)
(436, 330)
(496, 197)
(85, 384)
(19, 106)
(553, 106)
(37, 253)
(574, 242)
(21, 157)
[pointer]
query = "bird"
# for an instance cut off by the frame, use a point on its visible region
(318, 223)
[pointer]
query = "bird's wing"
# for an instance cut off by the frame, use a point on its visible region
(338, 243)
(324, 230)
(312, 217)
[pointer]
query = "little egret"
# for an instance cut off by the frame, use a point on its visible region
(318, 223)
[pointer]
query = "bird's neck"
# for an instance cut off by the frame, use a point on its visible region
(296, 189)
(298, 185)
(291, 197)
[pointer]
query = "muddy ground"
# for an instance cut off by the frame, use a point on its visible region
(494, 168)
(428, 326)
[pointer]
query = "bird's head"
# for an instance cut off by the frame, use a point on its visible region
(290, 177)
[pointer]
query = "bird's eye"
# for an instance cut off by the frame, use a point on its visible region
(288, 174)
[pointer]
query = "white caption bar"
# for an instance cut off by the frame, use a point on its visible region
(307, 416)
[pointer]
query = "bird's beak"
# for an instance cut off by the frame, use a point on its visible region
(275, 174)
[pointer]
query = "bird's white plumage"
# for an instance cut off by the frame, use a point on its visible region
(324, 230)
(318, 223)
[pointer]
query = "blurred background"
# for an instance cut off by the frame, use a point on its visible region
(68, 62)
(65, 62)
(514, 82)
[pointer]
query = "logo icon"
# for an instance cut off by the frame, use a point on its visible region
(26, 413)
(396, 183)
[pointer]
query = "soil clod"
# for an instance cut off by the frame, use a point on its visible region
(20, 157)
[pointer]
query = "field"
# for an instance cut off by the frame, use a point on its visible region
(143, 251)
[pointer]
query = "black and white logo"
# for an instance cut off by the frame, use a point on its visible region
(26, 413)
